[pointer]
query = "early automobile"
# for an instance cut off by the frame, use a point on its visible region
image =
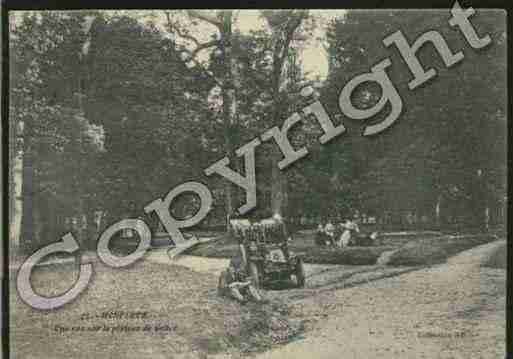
(265, 246)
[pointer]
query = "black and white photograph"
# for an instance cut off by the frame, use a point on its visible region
(252, 183)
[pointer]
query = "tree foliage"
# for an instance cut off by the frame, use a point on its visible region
(117, 109)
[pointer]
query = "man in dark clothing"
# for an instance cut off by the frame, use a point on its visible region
(235, 283)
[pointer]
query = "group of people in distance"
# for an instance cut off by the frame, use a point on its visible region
(342, 234)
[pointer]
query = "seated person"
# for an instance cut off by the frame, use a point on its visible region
(329, 230)
(320, 236)
(351, 225)
(347, 238)
(235, 283)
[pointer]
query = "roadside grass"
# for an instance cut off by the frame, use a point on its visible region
(436, 250)
(304, 243)
(173, 296)
(401, 238)
(345, 256)
(498, 259)
(404, 248)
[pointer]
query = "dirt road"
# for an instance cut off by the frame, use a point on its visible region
(450, 311)
(455, 310)
(215, 265)
(319, 276)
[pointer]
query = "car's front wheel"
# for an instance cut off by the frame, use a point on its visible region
(255, 274)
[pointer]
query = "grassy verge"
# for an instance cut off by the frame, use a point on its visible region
(499, 258)
(304, 243)
(185, 303)
(347, 256)
(410, 248)
(435, 250)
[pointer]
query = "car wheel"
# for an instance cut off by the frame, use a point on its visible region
(300, 274)
(255, 274)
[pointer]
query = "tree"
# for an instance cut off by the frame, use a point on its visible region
(441, 138)
(151, 108)
(284, 26)
(43, 47)
(228, 82)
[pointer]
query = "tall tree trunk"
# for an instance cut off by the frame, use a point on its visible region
(40, 206)
(278, 195)
(283, 32)
(278, 185)
(438, 211)
(16, 212)
(91, 231)
(229, 102)
(27, 218)
(277, 178)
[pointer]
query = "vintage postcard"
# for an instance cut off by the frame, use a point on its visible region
(268, 184)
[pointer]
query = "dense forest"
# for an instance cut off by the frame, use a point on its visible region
(109, 110)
